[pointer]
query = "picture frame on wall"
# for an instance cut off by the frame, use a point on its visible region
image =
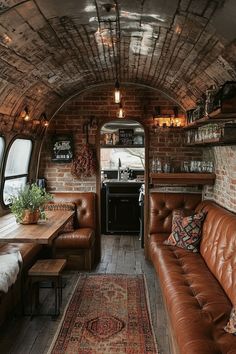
(62, 148)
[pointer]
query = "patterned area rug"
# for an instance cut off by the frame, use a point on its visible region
(107, 314)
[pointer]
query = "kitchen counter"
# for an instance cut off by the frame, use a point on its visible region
(116, 182)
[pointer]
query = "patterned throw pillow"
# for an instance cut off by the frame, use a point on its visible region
(186, 231)
(231, 325)
(69, 226)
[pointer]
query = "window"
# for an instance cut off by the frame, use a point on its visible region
(17, 167)
(2, 146)
(129, 157)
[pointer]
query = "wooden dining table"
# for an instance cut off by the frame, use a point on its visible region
(44, 232)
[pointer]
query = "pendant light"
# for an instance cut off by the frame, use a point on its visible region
(25, 114)
(117, 92)
(121, 112)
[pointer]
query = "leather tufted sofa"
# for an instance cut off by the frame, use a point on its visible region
(29, 253)
(199, 289)
(81, 247)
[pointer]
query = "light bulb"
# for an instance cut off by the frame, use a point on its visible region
(117, 96)
(117, 92)
(120, 113)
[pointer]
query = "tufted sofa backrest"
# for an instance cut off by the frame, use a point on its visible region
(85, 207)
(218, 245)
(162, 206)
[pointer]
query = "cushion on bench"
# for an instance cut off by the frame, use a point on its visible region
(9, 269)
(29, 251)
(198, 288)
(79, 238)
(195, 301)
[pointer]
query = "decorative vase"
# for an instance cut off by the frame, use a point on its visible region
(30, 217)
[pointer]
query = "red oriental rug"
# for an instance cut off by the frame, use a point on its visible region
(107, 314)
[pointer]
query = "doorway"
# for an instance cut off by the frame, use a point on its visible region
(122, 178)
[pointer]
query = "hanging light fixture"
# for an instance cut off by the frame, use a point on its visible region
(25, 114)
(121, 112)
(44, 119)
(117, 92)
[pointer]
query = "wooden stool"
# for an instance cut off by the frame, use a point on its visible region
(46, 270)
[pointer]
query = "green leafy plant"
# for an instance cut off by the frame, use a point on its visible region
(30, 197)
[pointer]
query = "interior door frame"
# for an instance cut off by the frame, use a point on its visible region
(146, 175)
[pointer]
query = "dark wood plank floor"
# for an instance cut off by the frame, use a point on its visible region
(121, 254)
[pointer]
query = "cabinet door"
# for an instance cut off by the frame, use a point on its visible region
(123, 214)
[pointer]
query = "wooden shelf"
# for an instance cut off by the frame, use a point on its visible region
(214, 117)
(222, 114)
(183, 178)
(213, 142)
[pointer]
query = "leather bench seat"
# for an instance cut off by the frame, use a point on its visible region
(10, 301)
(199, 289)
(80, 247)
(80, 238)
(195, 301)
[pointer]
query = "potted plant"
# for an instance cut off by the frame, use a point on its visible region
(28, 204)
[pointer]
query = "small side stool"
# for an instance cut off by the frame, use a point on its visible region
(46, 270)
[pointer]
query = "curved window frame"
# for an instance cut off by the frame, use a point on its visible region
(23, 175)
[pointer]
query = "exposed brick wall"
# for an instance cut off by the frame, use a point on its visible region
(139, 104)
(224, 190)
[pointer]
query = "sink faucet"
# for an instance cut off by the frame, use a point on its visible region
(119, 172)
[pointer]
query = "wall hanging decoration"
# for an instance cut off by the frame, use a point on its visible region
(85, 163)
(62, 148)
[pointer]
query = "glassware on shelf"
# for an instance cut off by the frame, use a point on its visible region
(167, 167)
(156, 165)
(209, 166)
(153, 167)
(201, 166)
(186, 166)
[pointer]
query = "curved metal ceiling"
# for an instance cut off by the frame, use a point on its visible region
(50, 49)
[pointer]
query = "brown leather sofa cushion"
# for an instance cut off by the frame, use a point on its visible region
(79, 238)
(82, 246)
(162, 206)
(218, 245)
(198, 288)
(85, 207)
(197, 305)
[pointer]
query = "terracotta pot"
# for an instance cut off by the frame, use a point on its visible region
(30, 217)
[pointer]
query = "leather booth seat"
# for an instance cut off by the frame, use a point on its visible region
(199, 289)
(10, 300)
(81, 247)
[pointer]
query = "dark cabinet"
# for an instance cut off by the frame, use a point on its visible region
(123, 213)
(121, 209)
